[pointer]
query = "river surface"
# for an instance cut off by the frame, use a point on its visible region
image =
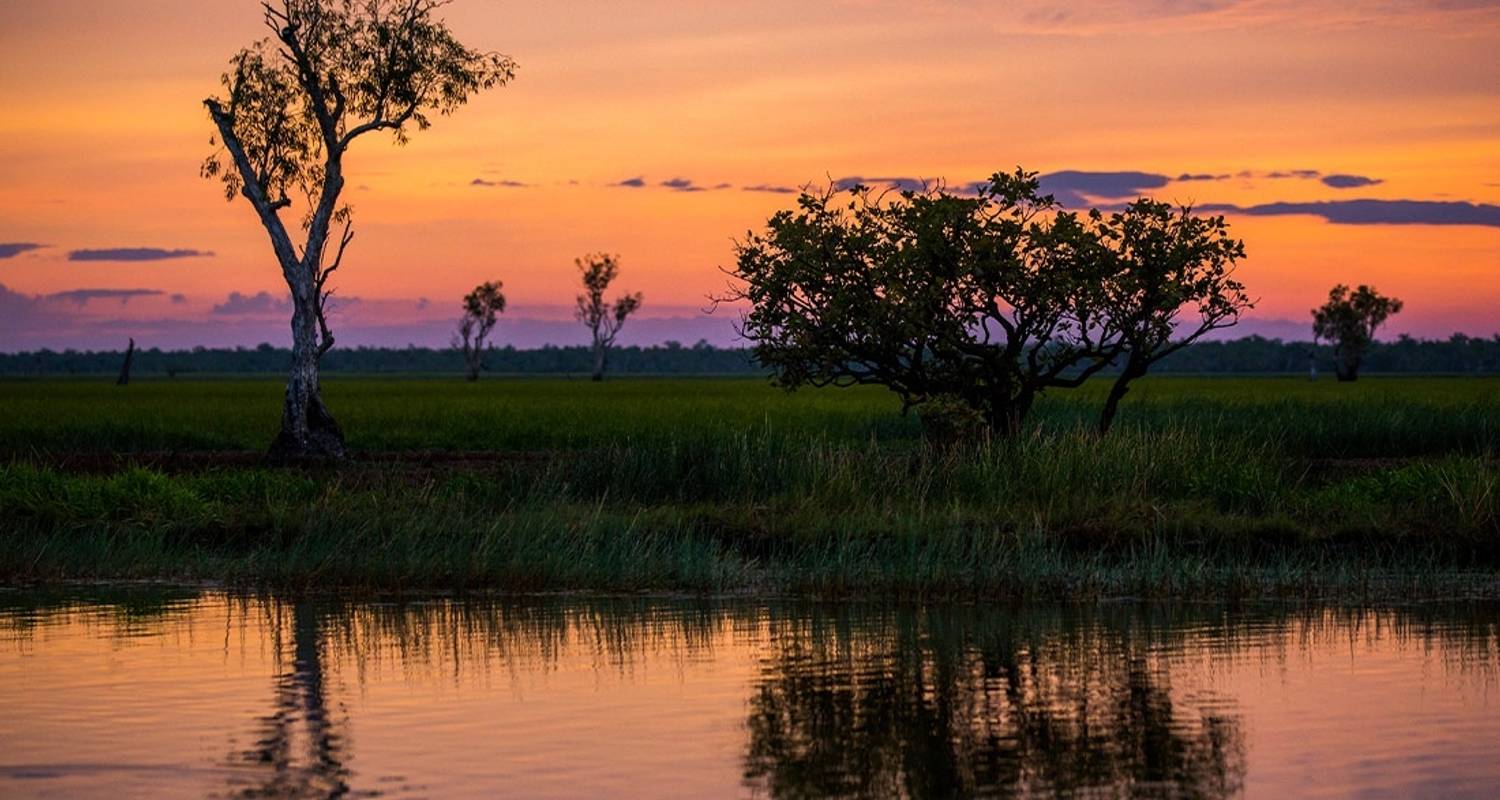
(157, 693)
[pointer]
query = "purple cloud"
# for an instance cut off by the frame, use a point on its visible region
(1349, 181)
(259, 303)
(135, 254)
(1375, 212)
(82, 297)
(682, 185)
(637, 182)
(13, 249)
(900, 184)
(1078, 189)
(502, 183)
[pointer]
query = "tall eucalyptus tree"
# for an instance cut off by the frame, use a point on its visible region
(331, 72)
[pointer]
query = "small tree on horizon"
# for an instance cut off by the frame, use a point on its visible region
(1161, 261)
(1349, 321)
(482, 308)
(331, 72)
(603, 319)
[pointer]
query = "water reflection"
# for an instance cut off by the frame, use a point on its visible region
(959, 702)
(256, 696)
(299, 715)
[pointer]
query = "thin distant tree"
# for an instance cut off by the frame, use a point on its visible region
(331, 72)
(604, 320)
(482, 308)
(1160, 262)
(1349, 320)
(124, 379)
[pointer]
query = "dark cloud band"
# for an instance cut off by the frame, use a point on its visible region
(1349, 181)
(82, 297)
(136, 254)
(13, 249)
(1374, 212)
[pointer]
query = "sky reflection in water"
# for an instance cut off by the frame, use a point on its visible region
(152, 693)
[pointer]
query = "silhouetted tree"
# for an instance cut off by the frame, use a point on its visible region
(332, 71)
(125, 363)
(978, 301)
(1349, 320)
(1161, 261)
(603, 319)
(481, 309)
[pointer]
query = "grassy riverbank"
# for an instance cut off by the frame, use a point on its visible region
(1212, 486)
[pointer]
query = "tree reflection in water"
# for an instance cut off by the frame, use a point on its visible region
(300, 752)
(843, 699)
(965, 702)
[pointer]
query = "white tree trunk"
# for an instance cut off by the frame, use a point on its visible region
(308, 430)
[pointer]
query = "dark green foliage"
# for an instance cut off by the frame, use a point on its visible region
(1168, 281)
(986, 300)
(482, 308)
(1349, 320)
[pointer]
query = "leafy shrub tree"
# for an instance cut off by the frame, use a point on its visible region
(331, 72)
(1349, 320)
(982, 300)
(603, 319)
(482, 308)
(979, 302)
(1161, 261)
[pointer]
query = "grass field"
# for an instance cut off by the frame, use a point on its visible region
(1242, 486)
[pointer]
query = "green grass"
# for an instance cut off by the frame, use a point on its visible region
(1240, 486)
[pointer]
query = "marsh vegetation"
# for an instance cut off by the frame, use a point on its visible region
(1240, 486)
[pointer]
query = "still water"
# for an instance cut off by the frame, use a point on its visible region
(148, 693)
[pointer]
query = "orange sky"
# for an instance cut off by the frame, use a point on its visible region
(104, 132)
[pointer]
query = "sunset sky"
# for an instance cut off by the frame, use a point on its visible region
(663, 130)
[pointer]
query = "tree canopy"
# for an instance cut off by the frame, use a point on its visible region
(482, 308)
(1161, 262)
(603, 318)
(1349, 320)
(987, 299)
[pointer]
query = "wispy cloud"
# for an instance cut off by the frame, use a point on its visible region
(1281, 174)
(258, 303)
(1077, 188)
(136, 254)
(899, 183)
(13, 249)
(1374, 212)
(771, 188)
(1156, 16)
(637, 182)
(1349, 181)
(82, 297)
(682, 185)
(509, 184)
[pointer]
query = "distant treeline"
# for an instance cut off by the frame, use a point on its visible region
(1254, 354)
(671, 358)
